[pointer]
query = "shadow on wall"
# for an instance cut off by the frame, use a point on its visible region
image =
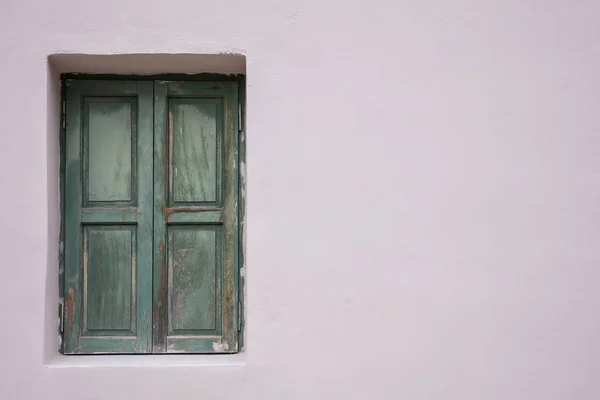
(147, 64)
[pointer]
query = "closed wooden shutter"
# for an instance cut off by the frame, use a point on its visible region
(151, 227)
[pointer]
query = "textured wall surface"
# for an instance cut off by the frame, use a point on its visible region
(423, 214)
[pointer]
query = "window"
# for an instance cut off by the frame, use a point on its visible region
(151, 229)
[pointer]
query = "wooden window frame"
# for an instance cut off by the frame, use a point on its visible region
(240, 183)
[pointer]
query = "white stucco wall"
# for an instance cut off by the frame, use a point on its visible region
(423, 215)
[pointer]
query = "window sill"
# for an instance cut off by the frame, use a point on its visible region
(147, 361)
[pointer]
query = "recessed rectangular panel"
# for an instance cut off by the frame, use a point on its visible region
(110, 129)
(194, 143)
(109, 279)
(193, 279)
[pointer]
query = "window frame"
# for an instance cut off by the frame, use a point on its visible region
(240, 189)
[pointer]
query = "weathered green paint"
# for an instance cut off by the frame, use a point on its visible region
(151, 217)
(160, 286)
(145, 197)
(193, 217)
(61, 239)
(194, 122)
(116, 345)
(107, 259)
(193, 268)
(241, 272)
(194, 150)
(230, 224)
(108, 133)
(111, 215)
(108, 280)
(191, 344)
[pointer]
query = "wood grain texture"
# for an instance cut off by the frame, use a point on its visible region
(109, 280)
(194, 217)
(159, 265)
(145, 200)
(230, 225)
(117, 215)
(108, 134)
(192, 280)
(195, 272)
(73, 239)
(194, 150)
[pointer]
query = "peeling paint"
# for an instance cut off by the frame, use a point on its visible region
(61, 317)
(243, 173)
(220, 347)
(242, 270)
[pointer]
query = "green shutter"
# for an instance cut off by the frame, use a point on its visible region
(195, 223)
(108, 217)
(151, 227)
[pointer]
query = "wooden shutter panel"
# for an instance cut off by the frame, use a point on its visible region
(195, 217)
(108, 217)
